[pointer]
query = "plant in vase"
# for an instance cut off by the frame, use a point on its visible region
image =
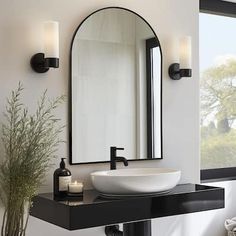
(30, 143)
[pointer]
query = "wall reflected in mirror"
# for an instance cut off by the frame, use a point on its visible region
(115, 88)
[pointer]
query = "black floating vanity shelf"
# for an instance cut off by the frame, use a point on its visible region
(93, 210)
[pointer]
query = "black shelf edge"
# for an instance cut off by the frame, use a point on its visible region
(94, 211)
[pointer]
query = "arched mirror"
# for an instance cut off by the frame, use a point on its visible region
(115, 88)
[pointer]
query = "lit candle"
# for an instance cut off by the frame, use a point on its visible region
(51, 39)
(185, 48)
(75, 187)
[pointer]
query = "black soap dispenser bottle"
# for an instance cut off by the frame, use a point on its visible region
(61, 179)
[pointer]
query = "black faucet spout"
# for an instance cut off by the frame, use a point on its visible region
(122, 159)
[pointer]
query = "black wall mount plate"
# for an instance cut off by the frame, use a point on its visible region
(37, 63)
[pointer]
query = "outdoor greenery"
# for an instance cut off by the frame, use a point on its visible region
(30, 143)
(218, 114)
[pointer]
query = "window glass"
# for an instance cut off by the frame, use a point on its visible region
(218, 91)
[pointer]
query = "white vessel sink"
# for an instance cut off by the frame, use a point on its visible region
(137, 181)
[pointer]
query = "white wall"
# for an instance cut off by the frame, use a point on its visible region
(19, 39)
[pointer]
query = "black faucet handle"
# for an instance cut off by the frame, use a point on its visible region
(113, 148)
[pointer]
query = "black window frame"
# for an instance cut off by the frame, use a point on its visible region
(223, 8)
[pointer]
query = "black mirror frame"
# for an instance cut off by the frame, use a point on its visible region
(150, 115)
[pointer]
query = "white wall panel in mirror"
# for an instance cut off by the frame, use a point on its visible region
(115, 101)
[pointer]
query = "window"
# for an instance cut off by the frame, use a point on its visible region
(218, 89)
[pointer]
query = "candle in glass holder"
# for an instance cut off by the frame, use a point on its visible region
(75, 187)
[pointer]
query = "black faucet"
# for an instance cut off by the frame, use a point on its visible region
(114, 158)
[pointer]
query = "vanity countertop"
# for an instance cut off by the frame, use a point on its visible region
(93, 210)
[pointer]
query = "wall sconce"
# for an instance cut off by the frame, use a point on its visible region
(41, 62)
(183, 68)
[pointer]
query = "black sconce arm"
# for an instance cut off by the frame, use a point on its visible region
(176, 73)
(40, 64)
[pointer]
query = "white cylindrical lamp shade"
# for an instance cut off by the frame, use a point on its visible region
(51, 39)
(185, 47)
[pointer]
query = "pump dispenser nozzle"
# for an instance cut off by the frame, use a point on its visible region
(63, 164)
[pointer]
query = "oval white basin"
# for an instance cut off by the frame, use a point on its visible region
(135, 181)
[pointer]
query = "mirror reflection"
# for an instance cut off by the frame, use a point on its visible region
(115, 88)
